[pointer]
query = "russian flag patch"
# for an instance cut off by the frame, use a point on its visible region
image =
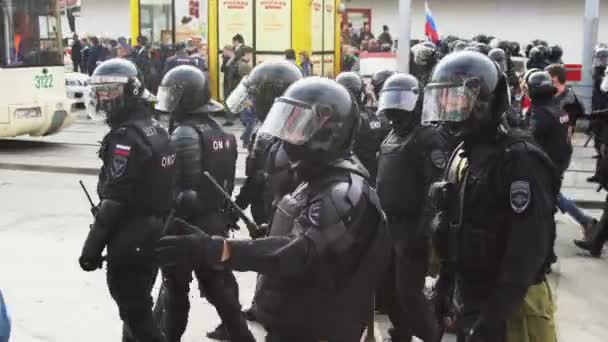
(122, 150)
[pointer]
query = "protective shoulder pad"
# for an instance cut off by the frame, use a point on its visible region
(132, 136)
(518, 147)
(185, 133)
(345, 194)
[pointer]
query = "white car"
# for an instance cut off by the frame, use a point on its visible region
(76, 85)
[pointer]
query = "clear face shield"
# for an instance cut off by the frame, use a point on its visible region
(450, 102)
(106, 95)
(239, 99)
(600, 60)
(398, 99)
(293, 122)
(168, 98)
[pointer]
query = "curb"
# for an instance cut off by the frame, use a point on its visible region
(89, 171)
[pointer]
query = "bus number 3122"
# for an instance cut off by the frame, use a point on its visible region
(43, 81)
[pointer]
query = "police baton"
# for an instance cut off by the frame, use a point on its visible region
(254, 229)
(86, 193)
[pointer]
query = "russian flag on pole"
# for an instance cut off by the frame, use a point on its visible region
(430, 29)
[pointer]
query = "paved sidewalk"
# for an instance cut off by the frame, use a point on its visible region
(74, 151)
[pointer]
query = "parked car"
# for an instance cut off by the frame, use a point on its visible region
(76, 85)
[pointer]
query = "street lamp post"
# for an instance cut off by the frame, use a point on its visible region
(590, 30)
(403, 52)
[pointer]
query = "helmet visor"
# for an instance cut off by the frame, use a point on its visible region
(398, 99)
(449, 102)
(106, 98)
(239, 98)
(600, 60)
(167, 98)
(293, 122)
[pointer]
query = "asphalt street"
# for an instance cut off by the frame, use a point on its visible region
(45, 217)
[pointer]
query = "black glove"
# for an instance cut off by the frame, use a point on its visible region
(260, 232)
(484, 331)
(192, 249)
(90, 258)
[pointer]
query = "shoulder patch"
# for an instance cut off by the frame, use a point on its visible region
(520, 196)
(439, 159)
(119, 165)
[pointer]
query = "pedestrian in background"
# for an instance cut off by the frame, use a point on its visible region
(96, 55)
(76, 53)
(366, 33)
(84, 55)
(227, 54)
(305, 64)
(231, 73)
(385, 39)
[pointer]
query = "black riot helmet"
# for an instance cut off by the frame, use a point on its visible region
(117, 87)
(460, 46)
(556, 54)
(317, 120)
(515, 49)
(399, 97)
(467, 89)
(378, 80)
(546, 52)
(529, 73)
(506, 46)
(536, 53)
(540, 87)
(185, 90)
(500, 57)
(353, 83)
(262, 86)
(600, 57)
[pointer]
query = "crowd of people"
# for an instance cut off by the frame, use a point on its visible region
(452, 171)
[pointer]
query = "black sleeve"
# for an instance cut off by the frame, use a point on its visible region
(530, 199)
(124, 162)
(574, 109)
(276, 255)
(541, 124)
(186, 142)
(319, 231)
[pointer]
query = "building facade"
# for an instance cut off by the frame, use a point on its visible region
(556, 21)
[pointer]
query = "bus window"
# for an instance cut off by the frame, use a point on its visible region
(30, 33)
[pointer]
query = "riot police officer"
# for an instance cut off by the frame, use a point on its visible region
(181, 58)
(201, 145)
(537, 58)
(555, 57)
(373, 128)
(266, 82)
(500, 57)
(378, 80)
(328, 242)
(135, 188)
(495, 228)
(269, 175)
(411, 158)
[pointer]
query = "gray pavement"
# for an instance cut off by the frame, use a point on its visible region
(43, 224)
(75, 151)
